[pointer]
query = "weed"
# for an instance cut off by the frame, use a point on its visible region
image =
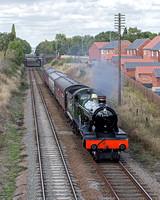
(82, 73)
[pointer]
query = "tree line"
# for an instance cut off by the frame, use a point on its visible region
(12, 47)
(79, 45)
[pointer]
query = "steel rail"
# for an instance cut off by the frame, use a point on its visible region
(135, 182)
(57, 140)
(37, 136)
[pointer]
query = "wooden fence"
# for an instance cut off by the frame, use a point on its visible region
(151, 96)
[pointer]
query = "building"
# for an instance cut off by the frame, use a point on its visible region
(124, 57)
(151, 50)
(156, 80)
(111, 49)
(95, 52)
(143, 74)
(136, 48)
(133, 59)
(130, 67)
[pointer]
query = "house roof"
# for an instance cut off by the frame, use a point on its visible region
(146, 69)
(115, 58)
(133, 65)
(132, 60)
(112, 44)
(157, 73)
(137, 43)
(100, 44)
(152, 43)
(156, 47)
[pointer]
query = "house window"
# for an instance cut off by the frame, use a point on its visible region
(112, 51)
(107, 51)
(134, 51)
(127, 52)
(102, 51)
(131, 52)
(144, 52)
(157, 53)
(152, 53)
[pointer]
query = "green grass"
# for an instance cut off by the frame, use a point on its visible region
(141, 120)
(12, 147)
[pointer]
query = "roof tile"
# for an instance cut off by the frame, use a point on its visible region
(137, 43)
(112, 44)
(152, 43)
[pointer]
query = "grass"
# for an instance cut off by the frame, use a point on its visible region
(141, 120)
(10, 155)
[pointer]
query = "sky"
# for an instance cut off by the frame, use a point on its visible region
(36, 20)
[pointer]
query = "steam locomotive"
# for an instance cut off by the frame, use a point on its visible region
(89, 115)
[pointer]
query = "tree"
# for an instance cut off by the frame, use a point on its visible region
(106, 36)
(133, 33)
(26, 46)
(16, 45)
(45, 47)
(13, 33)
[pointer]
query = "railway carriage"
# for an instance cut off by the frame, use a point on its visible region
(52, 78)
(47, 71)
(90, 116)
(64, 85)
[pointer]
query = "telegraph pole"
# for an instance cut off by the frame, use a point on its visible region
(119, 22)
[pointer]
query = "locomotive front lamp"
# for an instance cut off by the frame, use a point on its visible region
(94, 147)
(122, 147)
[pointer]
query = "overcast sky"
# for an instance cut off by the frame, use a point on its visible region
(37, 20)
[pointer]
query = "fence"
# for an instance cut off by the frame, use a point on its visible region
(151, 96)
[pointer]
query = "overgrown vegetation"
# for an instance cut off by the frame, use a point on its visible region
(11, 146)
(141, 120)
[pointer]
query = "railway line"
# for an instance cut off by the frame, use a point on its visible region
(55, 179)
(121, 182)
(57, 183)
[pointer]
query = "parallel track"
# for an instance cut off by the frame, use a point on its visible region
(56, 182)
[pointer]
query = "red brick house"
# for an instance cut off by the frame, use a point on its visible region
(130, 67)
(123, 58)
(111, 49)
(151, 50)
(143, 74)
(156, 79)
(133, 60)
(95, 52)
(136, 48)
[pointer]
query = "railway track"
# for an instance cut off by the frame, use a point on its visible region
(55, 179)
(121, 182)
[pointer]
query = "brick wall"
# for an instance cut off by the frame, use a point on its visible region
(124, 45)
(155, 81)
(130, 72)
(94, 52)
(143, 78)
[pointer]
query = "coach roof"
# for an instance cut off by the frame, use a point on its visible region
(66, 82)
